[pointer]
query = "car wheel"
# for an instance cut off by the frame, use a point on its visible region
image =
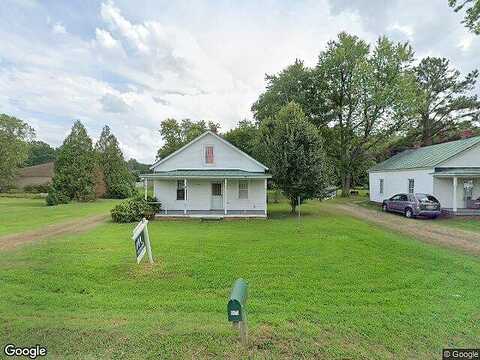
(384, 208)
(409, 213)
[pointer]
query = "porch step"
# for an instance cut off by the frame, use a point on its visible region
(212, 218)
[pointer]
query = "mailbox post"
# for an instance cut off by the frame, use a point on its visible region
(236, 308)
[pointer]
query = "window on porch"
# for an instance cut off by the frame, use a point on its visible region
(382, 184)
(180, 190)
(243, 189)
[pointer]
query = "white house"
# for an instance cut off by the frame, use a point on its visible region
(449, 171)
(210, 177)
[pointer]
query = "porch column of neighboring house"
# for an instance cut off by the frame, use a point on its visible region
(145, 185)
(225, 197)
(266, 197)
(185, 192)
(455, 194)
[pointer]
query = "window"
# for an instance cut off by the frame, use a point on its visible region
(180, 190)
(243, 189)
(216, 189)
(381, 186)
(209, 159)
(411, 186)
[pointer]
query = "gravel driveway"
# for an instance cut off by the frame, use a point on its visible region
(422, 229)
(9, 242)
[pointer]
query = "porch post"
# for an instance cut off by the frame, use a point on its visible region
(185, 196)
(225, 197)
(145, 185)
(455, 194)
(266, 197)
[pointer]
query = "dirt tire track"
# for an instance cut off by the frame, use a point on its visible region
(10, 242)
(424, 230)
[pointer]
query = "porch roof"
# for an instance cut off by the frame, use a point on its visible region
(451, 172)
(206, 174)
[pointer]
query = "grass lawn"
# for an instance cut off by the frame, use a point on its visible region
(464, 223)
(325, 286)
(22, 214)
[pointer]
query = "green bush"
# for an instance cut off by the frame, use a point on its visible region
(56, 197)
(37, 189)
(135, 209)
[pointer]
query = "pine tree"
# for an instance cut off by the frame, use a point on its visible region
(74, 176)
(119, 180)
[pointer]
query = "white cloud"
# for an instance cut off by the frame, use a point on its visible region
(59, 29)
(131, 66)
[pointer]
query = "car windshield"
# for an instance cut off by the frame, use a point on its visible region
(426, 198)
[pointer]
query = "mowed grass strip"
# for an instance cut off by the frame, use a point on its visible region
(20, 215)
(324, 286)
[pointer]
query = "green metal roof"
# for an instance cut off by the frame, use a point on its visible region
(426, 157)
(457, 172)
(217, 173)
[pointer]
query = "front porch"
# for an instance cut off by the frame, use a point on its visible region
(215, 193)
(458, 190)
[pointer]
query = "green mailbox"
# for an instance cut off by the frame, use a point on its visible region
(236, 307)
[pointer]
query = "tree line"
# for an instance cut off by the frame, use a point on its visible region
(365, 103)
(312, 126)
(79, 166)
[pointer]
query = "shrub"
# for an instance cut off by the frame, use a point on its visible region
(56, 197)
(37, 189)
(135, 209)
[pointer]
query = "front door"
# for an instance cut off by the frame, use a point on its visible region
(468, 193)
(217, 196)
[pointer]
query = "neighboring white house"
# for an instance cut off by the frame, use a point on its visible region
(210, 177)
(449, 171)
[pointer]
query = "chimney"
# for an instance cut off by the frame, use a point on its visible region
(465, 134)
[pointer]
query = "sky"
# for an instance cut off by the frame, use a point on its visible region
(131, 64)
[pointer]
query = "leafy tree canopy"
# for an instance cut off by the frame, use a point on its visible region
(472, 13)
(119, 180)
(244, 137)
(443, 98)
(15, 135)
(40, 152)
(293, 149)
(176, 134)
(74, 176)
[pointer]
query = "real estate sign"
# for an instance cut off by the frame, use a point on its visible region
(142, 241)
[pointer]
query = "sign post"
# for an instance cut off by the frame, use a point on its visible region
(141, 241)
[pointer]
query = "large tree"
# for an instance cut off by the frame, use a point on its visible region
(472, 13)
(14, 137)
(175, 134)
(40, 152)
(74, 176)
(443, 98)
(365, 96)
(295, 83)
(244, 137)
(293, 149)
(357, 95)
(119, 180)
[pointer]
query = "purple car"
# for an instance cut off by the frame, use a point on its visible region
(412, 205)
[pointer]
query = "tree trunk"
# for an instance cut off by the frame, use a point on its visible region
(293, 205)
(346, 184)
(427, 133)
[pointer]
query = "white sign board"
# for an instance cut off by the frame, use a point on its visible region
(141, 241)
